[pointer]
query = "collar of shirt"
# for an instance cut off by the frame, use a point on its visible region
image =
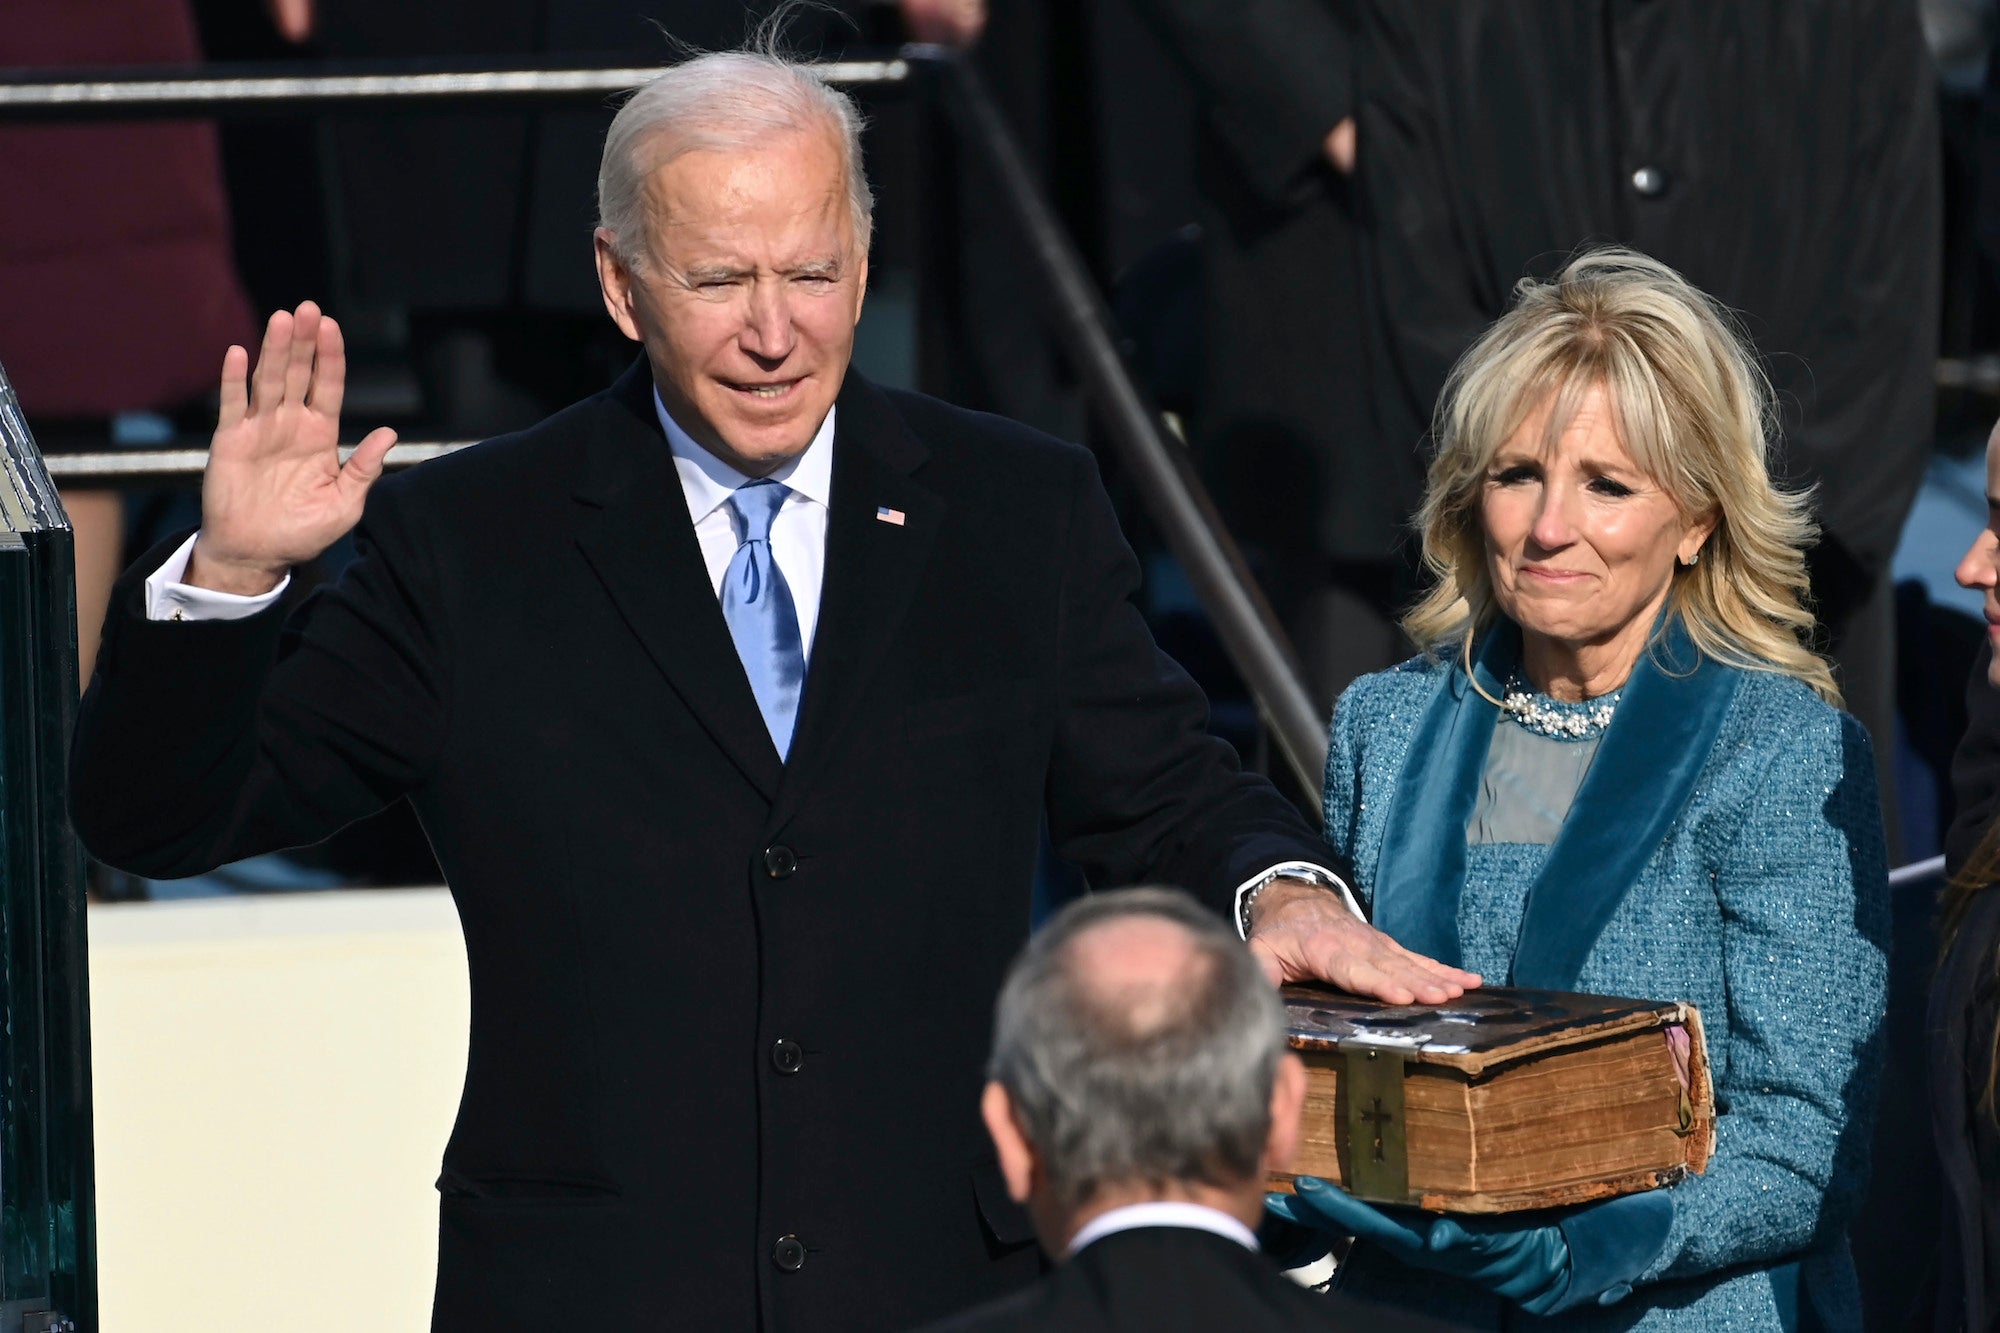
(707, 481)
(1164, 1213)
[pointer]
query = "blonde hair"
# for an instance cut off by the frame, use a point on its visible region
(1692, 408)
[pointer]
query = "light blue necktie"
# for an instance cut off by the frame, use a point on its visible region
(758, 606)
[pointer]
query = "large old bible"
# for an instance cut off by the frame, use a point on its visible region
(1501, 1100)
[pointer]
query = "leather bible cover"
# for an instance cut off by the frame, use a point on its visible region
(1502, 1100)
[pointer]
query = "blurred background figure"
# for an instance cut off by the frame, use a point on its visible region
(117, 285)
(1783, 158)
(1963, 1022)
(1281, 410)
(1376, 177)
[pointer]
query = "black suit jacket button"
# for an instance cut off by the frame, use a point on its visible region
(779, 862)
(1650, 182)
(789, 1254)
(787, 1057)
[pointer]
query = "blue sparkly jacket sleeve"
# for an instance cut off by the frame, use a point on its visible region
(1343, 778)
(1802, 889)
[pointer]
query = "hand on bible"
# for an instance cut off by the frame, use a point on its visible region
(275, 493)
(1303, 932)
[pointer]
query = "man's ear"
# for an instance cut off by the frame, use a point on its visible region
(1017, 1156)
(861, 289)
(615, 280)
(1288, 1102)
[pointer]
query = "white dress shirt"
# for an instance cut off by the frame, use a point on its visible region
(1163, 1213)
(798, 544)
(798, 533)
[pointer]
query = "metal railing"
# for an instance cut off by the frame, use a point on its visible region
(1157, 461)
(138, 467)
(1976, 374)
(1927, 872)
(125, 94)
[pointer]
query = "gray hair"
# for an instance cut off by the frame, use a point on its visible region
(1169, 1081)
(724, 101)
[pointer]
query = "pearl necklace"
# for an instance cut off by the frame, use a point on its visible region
(1575, 721)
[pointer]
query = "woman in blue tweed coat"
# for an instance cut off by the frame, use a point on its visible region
(1619, 770)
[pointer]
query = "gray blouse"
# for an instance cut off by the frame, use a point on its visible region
(1528, 786)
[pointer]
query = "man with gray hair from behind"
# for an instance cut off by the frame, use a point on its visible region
(1139, 1093)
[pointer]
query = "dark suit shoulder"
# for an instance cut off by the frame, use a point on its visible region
(952, 432)
(547, 456)
(1035, 1307)
(1169, 1280)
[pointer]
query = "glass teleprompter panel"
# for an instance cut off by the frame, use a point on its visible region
(48, 1277)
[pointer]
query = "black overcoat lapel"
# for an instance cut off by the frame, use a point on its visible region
(873, 566)
(634, 531)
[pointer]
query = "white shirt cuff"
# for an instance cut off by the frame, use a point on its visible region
(1297, 870)
(167, 598)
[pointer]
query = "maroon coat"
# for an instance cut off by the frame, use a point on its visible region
(118, 289)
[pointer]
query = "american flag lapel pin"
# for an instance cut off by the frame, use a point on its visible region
(884, 514)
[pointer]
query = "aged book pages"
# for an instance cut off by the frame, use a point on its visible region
(1503, 1099)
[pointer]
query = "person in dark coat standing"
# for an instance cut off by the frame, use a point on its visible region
(733, 701)
(1781, 156)
(1284, 425)
(1975, 762)
(1140, 1091)
(1962, 1022)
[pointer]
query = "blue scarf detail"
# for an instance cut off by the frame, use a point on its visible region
(1644, 772)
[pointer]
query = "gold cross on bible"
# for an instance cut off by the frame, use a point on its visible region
(1379, 1120)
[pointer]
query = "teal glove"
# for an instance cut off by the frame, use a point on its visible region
(1535, 1264)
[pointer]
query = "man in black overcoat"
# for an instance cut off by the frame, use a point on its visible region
(731, 700)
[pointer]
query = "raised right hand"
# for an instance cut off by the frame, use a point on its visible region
(275, 493)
